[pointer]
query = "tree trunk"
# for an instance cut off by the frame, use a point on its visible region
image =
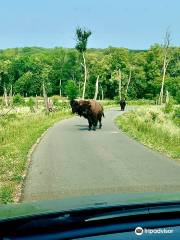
(37, 105)
(10, 97)
(162, 85)
(102, 93)
(50, 105)
(60, 84)
(5, 97)
(85, 76)
(79, 88)
(119, 79)
(165, 63)
(45, 99)
(167, 97)
(97, 88)
(129, 80)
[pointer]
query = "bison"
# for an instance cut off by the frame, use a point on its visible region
(122, 104)
(89, 109)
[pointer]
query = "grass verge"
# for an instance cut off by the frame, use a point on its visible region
(18, 132)
(141, 102)
(153, 128)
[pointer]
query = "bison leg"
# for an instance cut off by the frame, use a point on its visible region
(100, 123)
(90, 124)
(94, 124)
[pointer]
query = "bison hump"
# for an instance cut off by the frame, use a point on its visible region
(96, 107)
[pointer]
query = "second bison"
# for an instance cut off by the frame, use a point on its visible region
(122, 104)
(89, 109)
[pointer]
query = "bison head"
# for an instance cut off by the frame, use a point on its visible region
(80, 107)
(75, 106)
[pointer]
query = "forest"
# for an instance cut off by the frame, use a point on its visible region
(37, 83)
(24, 71)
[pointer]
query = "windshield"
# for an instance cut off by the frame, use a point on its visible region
(89, 100)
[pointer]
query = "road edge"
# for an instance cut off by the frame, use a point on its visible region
(18, 196)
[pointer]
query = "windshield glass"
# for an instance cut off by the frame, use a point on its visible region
(89, 100)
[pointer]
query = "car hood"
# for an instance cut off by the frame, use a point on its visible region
(38, 208)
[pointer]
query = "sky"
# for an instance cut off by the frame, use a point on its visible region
(134, 24)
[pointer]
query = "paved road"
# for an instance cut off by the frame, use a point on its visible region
(71, 161)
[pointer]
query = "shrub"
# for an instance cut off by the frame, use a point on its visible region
(55, 100)
(149, 96)
(141, 102)
(1, 101)
(176, 116)
(178, 97)
(168, 107)
(71, 90)
(18, 100)
(31, 103)
(116, 99)
(107, 102)
(64, 105)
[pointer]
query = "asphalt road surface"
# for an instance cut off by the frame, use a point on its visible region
(72, 161)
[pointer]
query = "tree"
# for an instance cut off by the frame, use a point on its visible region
(31, 104)
(23, 84)
(129, 80)
(18, 100)
(118, 78)
(71, 90)
(96, 88)
(11, 96)
(118, 62)
(5, 96)
(96, 74)
(153, 62)
(58, 59)
(46, 102)
(24, 70)
(4, 69)
(166, 59)
(82, 36)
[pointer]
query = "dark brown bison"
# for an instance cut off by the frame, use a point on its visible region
(89, 109)
(122, 104)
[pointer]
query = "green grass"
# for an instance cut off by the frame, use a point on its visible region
(139, 102)
(154, 128)
(18, 132)
(142, 102)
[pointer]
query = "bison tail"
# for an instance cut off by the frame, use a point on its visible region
(103, 115)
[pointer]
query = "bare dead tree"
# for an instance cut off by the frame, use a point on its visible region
(60, 87)
(129, 80)
(102, 93)
(46, 103)
(118, 78)
(5, 96)
(10, 96)
(96, 88)
(50, 105)
(37, 103)
(85, 75)
(82, 36)
(166, 60)
(167, 97)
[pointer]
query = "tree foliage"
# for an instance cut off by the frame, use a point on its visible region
(82, 36)
(25, 69)
(71, 90)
